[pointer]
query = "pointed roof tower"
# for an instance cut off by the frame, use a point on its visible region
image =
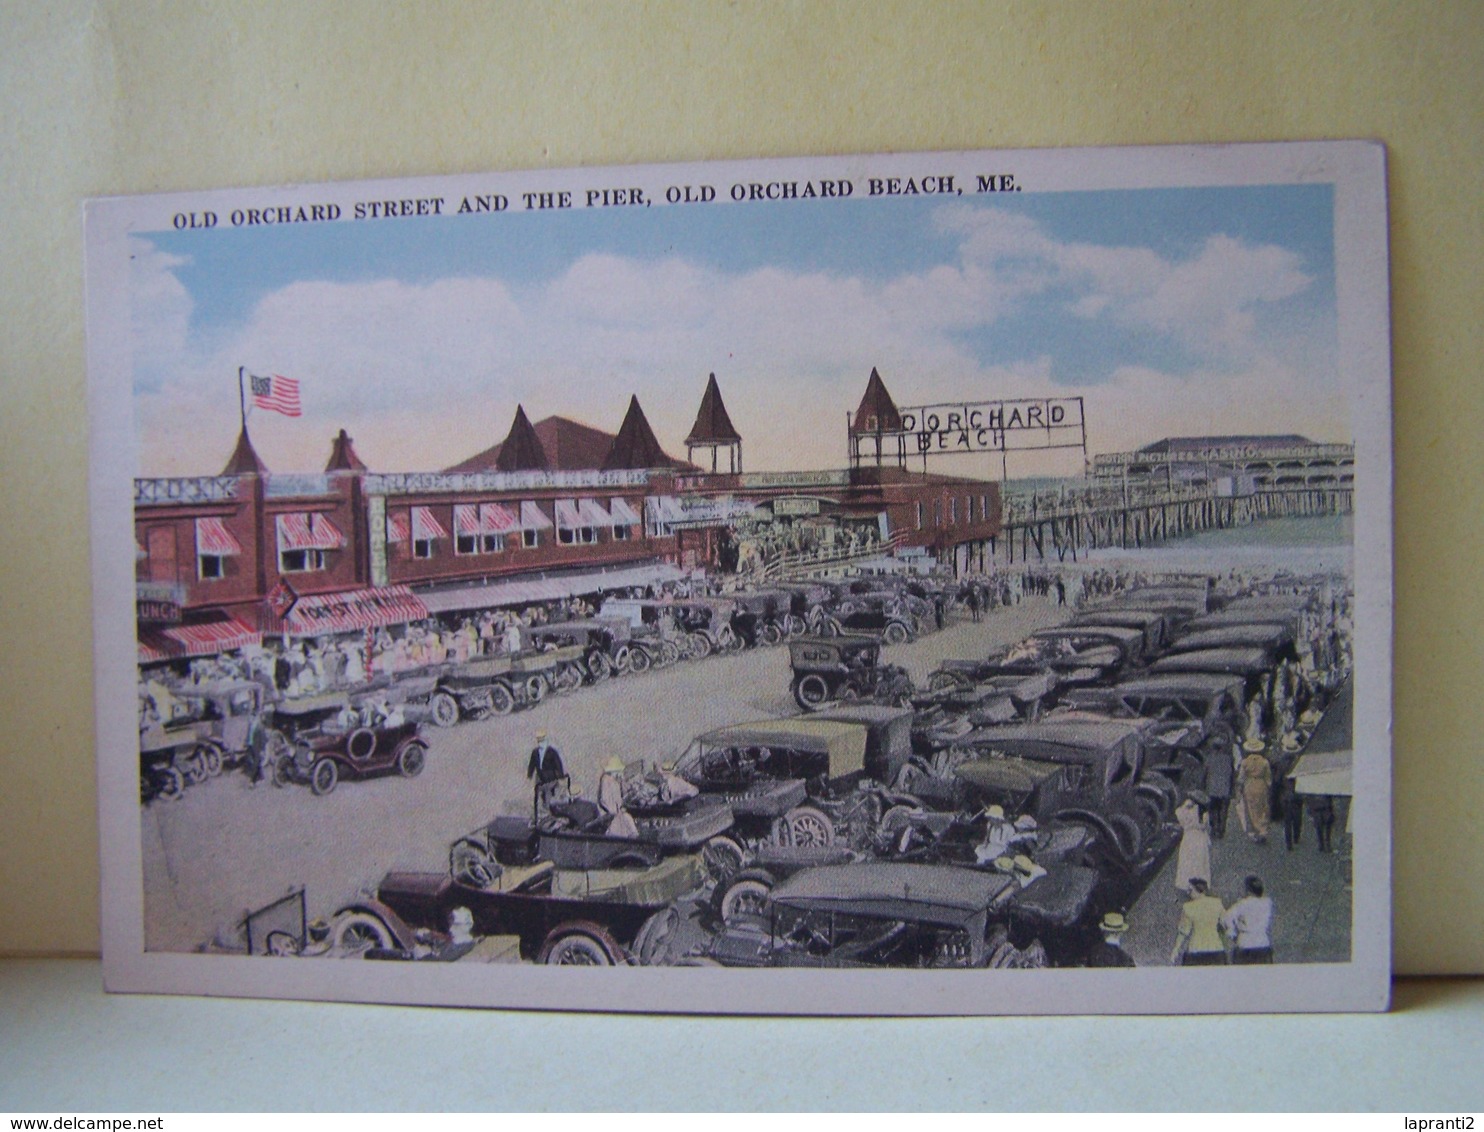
(713, 425)
(877, 412)
(244, 461)
(343, 456)
(635, 446)
(521, 449)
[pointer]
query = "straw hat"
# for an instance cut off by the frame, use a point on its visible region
(613, 765)
(540, 735)
(1114, 922)
(996, 812)
(1291, 743)
(1309, 718)
(1025, 823)
(1254, 746)
(1024, 864)
(1004, 864)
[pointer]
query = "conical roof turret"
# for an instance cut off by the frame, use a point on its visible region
(635, 446)
(877, 412)
(713, 424)
(521, 450)
(245, 460)
(343, 456)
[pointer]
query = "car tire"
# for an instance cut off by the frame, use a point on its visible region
(410, 760)
(811, 691)
(323, 777)
(536, 688)
(212, 759)
(579, 947)
(807, 825)
(444, 709)
(568, 678)
(700, 646)
(599, 666)
(746, 894)
(192, 767)
(652, 944)
(169, 783)
(723, 858)
(639, 660)
(895, 633)
(502, 699)
(360, 931)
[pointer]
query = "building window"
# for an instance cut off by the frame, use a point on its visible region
(919, 514)
(937, 512)
(424, 547)
(492, 544)
(620, 534)
(466, 544)
(211, 567)
(587, 534)
(566, 535)
(873, 424)
(953, 510)
(984, 508)
(301, 561)
(530, 539)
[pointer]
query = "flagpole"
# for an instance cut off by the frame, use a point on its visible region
(241, 398)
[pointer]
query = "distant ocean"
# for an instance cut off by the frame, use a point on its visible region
(1317, 544)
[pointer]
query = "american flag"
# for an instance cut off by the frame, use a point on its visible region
(276, 393)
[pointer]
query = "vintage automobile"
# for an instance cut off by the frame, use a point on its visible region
(1182, 602)
(162, 754)
(576, 917)
(846, 667)
(828, 757)
(953, 709)
(763, 617)
(329, 736)
(573, 833)
(809, 606)
(208, 731)
(1152, 623)
(497, 685)
(652, 622)
(607, 646)
(892, 914)
(1077, 771)
(1253, 665)
(887, 615)
(1074, 655)
(1275, 639)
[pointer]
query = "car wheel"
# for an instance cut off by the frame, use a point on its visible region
(811, 691)
(700, 646)
(323, 776)
(746, 894)
(411, 759)
(770, 634)
(1130, 840)
(170, 784)
(469, 863)
(360, 931)
(577, 948)
(361, 744)
(536, 688)
(723, 858)
(809, 826)
(599, 666)
(445, 709)
(568, 678)
(212, 759)
(191, 767)
(652, 944)
(893, 825)
(502, 699)
(895, 633)
(639, 660)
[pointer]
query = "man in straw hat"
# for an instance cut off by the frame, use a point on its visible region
(1109, 952)
(545, 764)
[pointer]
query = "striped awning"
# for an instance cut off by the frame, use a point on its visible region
(466, 518)
(567, 517)
(308, 530)
(152, 649)
(352, 610)
(396, 528)
(425, 526)
(623, 514)
(212, 537)
(664, 509)
(205, 638)
(496, 519)
(593, 513)
(532, 518)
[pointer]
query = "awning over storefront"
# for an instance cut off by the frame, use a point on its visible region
(396, 528)
(466, 518)
(496, 519)
(567, 517)
(527, 591)
(424, 526)
(623, 514)
(352, 610)
(212, 537)
(532, 518)
(206, 638)
(152, 650)
(593, 513)
(308, 530)
(664, 509)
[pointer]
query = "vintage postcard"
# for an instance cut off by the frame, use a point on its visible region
(911, 584)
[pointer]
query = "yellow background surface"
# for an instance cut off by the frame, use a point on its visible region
(102, 99)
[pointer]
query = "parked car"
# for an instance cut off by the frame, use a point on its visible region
(1275, 639)
(497, 685)
(889, 914)
(569, 917)
(846, 667)
(1073, 655)
(329, 737)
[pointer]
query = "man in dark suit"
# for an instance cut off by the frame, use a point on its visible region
(1110, 953)
(546, 762)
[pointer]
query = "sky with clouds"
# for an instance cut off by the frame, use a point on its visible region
(1170, 311)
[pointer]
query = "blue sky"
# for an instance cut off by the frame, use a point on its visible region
(417, 334)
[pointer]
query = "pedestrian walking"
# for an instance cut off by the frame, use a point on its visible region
(1322, 814)
(1256, 778)
(1198, 941)
(1220, 770)
(545, 764)
(1109, 952)
(1194, 859)
(1249, 925)
(1292, 808)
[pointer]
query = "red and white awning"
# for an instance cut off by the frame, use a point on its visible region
(212, 537)
(308, 530)
(424, 526)
(352, 610)
(396, 528)
(593, 513)
(532, 518)
(495, 519)
(152, 649)
(466, 518)
(205, 638)
(567, 518)
(623, 514)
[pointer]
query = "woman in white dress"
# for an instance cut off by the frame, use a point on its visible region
(1195, 841)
